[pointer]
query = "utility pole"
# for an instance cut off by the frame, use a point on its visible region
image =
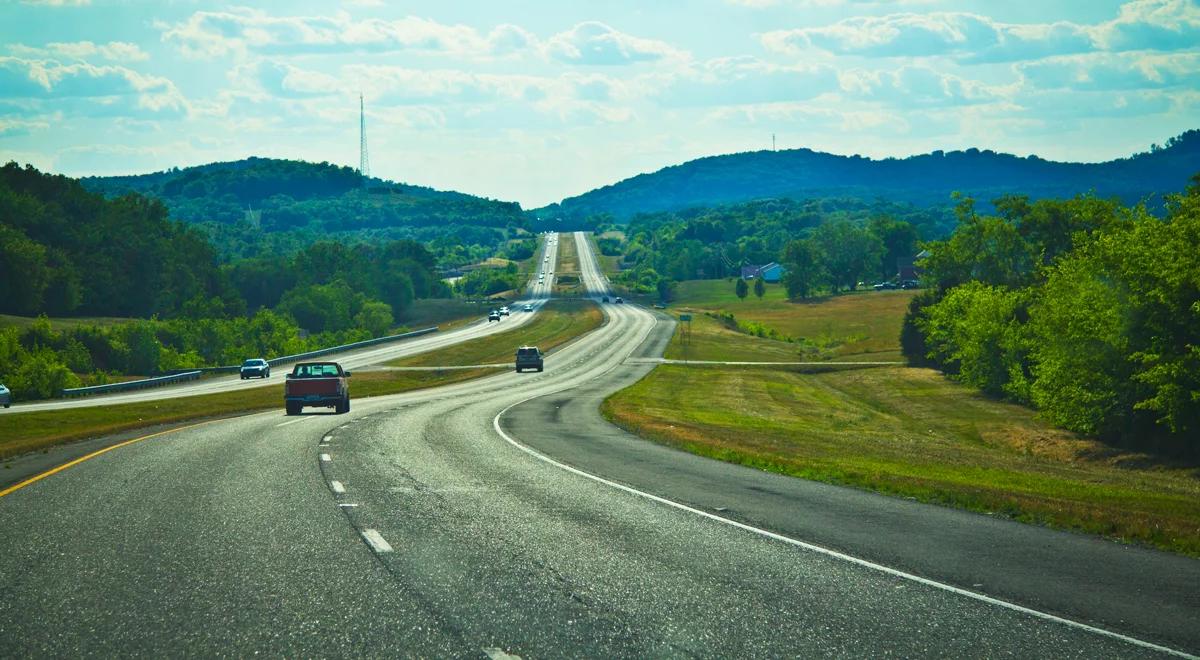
(364, 169)
(772, 142)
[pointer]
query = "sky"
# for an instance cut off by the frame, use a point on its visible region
(536, 101)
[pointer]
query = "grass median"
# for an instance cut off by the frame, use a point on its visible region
(558, 323)
(902, 431)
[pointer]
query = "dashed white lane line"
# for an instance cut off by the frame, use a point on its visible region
(294, 421)
(327, 438)
(376, 540)
(337, 487)
(325, 458)
(832, 553)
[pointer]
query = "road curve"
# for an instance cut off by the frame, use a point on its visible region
(537, 294)
(410, 526)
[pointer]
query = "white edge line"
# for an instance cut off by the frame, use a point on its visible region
(337, 487)
(376, 540)
(828, 552)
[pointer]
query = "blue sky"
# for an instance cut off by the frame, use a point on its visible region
(534, 101)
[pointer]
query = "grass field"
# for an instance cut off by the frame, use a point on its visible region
(897, 430)
(914, 433)
(854, 326)
(442, 312)
(32, 431)
(608, 264)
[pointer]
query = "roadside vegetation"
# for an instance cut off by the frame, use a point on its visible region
(898, 430)
(1083, 308)
(557, 324)
(912, 432)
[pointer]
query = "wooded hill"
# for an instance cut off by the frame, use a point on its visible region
(923, 179)
(296, 203)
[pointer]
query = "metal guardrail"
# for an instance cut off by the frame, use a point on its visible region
(194, 374)
(132, 384)
(349, 347)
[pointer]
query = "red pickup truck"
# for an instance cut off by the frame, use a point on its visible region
(317, 384)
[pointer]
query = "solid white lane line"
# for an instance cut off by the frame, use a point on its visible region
(376, 540)
(325, 458)
(294, 421)
(832, 553)
(337, 487)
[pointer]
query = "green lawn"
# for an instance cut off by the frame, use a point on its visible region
(32, 431)
(862, 325)
(913, 432)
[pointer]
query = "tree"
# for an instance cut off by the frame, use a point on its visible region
(666, 289)
(848, 253)
(899, 241)
(802, 268)
(375, 317)
(760, 289)
(741, 289)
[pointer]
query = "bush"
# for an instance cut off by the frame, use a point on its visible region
(42, 376)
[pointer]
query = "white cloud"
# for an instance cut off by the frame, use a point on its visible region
(58, 3)
(916, 86)
(109, 89)
(595, 43)
(240, 31)
(744, 81)
(1141, 24)
(1113, 71)
(113, 51)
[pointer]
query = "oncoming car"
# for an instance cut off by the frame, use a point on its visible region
(255, 368)
(5, 396)
(493, 316)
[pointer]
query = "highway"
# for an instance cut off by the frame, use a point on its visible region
(537, 294)
(502, 517)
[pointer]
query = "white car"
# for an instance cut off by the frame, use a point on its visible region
(504, 311)
(6, 396)
(529, 308)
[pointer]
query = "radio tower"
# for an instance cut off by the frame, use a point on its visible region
(364, 169)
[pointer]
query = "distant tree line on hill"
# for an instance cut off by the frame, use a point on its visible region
(262, 206)
(1087, 309)
(825, 245)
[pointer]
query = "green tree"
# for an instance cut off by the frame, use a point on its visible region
(899, 241)
(802, 268)
(375, 317)
(741, 289)
(760, 289)
(848, 253)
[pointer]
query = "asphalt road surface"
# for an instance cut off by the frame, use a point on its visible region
(423, 524)
(537, 294)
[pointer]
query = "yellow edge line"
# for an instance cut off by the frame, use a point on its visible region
(77, 461)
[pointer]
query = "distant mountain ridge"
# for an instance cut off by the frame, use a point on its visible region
(923, 179)
(292, 192)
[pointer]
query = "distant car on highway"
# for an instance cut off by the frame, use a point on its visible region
(320, 384)
(504, 311)
(493, 315)
(529, 357)
(255, 368)
(619, 300)
(603, 298)
(5, 396)
(528, 308)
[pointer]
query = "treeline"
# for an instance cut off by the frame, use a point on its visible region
(64, 251)
(261, 206)
(825, 245)
(1084, 308)
(38, 362)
